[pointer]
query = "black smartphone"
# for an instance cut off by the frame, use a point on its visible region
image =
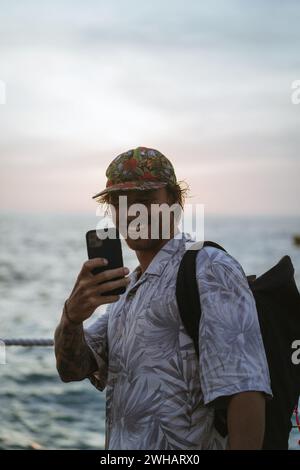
(109, 248)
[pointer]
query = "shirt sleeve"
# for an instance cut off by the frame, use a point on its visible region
(96, 339)
(232, 357)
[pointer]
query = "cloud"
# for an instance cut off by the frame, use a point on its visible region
(198, 80)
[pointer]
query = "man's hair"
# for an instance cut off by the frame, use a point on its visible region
(178, 193)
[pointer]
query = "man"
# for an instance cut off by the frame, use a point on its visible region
(158, 395)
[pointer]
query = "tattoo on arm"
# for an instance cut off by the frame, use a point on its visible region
(74, 359)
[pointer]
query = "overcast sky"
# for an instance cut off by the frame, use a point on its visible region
(206, 83)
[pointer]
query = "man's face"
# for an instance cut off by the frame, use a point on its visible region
(147, 198)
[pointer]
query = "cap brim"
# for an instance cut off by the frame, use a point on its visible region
(140, 185)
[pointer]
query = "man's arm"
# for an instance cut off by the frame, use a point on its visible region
(232, 359)
(246, 421)
(74, 359)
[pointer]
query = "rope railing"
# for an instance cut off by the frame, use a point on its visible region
(27, 342)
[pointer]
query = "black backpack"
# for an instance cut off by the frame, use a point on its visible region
(278, 305)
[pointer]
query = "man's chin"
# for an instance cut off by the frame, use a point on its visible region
(142, 244)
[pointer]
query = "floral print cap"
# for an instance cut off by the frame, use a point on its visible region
(140, 168)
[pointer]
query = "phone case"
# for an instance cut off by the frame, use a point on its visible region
(109, 248)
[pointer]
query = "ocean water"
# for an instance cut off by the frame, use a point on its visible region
(40, 257)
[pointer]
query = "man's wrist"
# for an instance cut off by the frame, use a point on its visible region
(69, 320)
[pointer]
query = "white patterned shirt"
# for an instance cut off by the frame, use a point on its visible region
(158, 393)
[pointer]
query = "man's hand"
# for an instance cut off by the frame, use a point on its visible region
(246, 420)
(74, 359)
(86, 295)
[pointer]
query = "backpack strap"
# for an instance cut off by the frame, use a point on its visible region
(188, 300)
(187, 294)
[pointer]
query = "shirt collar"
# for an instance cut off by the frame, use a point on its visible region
(163, 256)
